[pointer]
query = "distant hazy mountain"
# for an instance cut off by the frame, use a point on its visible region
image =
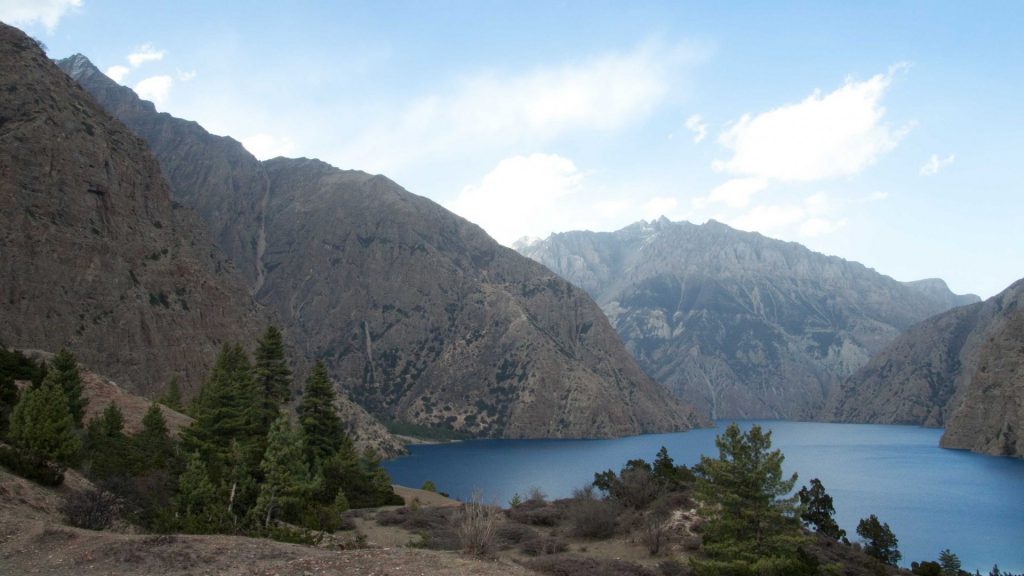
(740, 325)
(93, 255)
(963, 369)
(423, 316)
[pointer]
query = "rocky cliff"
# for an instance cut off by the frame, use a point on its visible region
(960, 369)
(93, 254)
(423, 317)
(738, 324)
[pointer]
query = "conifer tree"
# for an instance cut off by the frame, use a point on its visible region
(224, 412)
(879, 540)
(950, 563)
(8, 399)
(743, 495)
(197, 503)
(271, 374)
(63, 371)
(324, 433)
(818, 510)
(172, 396)
(41, 424)
(152, 446)
(106, 445)
(287, 485)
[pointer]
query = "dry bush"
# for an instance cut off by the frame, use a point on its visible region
(476, 525)
(592, 517)
(91, 509)
(673, 567)
(654, 533)
(575, 565)
(510, 534)
(535, 512)
(543, 546)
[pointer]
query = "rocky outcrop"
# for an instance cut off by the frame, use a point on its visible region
(990, 419)
(420, 314)
(93, 254)
(960, 369)
(740, 325)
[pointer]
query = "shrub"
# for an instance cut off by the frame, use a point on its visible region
(91, 509)
(673, 567)
(573, 565)
(535, 513)
(511, 534)
(543, 546)
(654, 533)
(31, 466)
(475, 524)
(591, 517)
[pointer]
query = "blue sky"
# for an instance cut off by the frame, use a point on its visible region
(884, 132)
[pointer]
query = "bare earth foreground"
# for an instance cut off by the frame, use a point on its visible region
(34, 541)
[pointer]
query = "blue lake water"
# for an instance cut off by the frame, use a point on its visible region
(930, 497)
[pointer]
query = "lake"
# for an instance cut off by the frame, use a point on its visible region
(930, 497)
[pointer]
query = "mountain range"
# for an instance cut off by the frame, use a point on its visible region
(740, 325)
(421, 316)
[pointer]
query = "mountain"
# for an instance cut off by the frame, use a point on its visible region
(424, 317)
(740, 325)
(961, 369)
(94, 256)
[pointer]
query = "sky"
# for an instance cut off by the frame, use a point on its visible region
(890, 133)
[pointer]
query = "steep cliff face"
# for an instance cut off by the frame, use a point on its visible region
(960, 369)
(422, 316)
(740, 325)
(93, 255)
(990, 419)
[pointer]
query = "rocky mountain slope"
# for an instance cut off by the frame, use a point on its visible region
(961, 369)
(93, 254)
(738, 324)
(423, 317)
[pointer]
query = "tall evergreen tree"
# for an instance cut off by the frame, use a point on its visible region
(63, 371)
(199, 508)
(743, 496)
(325, 435)
(818, 511)
(8, 399)
(225, 412)
(106, 445)
(950, 563)
(879, 540)
(271, 373)
(152, 446)
(287, 485)
(42, 424)
(172, 396)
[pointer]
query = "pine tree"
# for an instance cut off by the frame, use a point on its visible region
(271, 374)
(950, 563)
(325, 435)
(8, 400)
(198, 506)
(818, 511)
(743, 496)
(41, 424)
(63, 371)
(172, 396)
(106, 445)
(152, 446)
(224, 412)
(287, 485)
(879, 541)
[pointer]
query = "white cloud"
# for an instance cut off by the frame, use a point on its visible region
(186, 76)
(659, 206)
(154, 88)
(265, 146)
(46, 12)
(768, 219)
(735, 193)
(698, 127)
(143, 54)
(877, 196)
(515, 198)
(814, 227)
(117, 73)
(838, 134)
(498, 109)
(935, 164)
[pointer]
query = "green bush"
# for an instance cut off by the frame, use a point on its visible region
(31, 466)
